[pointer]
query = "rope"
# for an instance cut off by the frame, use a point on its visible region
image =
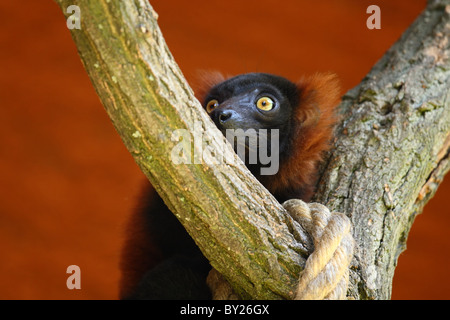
(326, 272)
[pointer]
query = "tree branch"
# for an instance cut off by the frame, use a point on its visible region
(391, 151)
(237, 224)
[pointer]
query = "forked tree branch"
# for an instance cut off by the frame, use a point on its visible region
(391, 150)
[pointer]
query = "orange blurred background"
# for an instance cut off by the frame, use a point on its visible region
(67, 183)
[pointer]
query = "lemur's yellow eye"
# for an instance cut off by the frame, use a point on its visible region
(212, 104)
(265, 103)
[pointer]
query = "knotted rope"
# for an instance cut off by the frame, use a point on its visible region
(326, 272)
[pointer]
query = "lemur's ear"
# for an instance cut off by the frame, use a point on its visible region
(204, 81)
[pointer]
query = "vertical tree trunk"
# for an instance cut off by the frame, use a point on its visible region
(392, 149)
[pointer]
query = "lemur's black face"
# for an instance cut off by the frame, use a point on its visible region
(254, 101)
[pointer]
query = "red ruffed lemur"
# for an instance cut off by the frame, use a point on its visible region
(160, 260)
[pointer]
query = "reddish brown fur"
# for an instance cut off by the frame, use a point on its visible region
(315, 120)
(205, 81)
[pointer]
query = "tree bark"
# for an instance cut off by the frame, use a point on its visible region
(391, 150)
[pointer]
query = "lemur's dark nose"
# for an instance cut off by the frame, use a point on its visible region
(225, 115)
